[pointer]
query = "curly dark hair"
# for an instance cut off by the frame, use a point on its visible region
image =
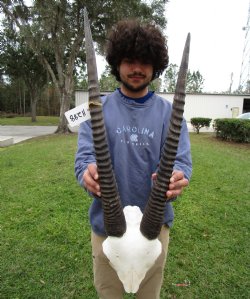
(134, 40)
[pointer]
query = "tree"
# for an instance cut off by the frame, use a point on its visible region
(170, 78)
(81, 82)
(57, 27)
(200, 122)
(155, 85)
(195, 80)
(21, 64)
(107, 80)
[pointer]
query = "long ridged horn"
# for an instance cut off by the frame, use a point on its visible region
(153, 215)
(114, 219)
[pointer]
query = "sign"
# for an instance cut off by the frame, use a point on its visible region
(78, 114)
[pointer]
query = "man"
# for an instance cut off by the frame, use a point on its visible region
(136, 122)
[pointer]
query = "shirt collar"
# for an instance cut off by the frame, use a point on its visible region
(141, 100)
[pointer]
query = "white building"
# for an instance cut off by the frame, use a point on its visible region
(199, 105)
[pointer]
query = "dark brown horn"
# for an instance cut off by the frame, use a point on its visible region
(114, 219)
(154, 212)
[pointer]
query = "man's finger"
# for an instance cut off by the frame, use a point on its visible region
(92, 168)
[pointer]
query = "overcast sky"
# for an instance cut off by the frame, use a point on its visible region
(217, 38)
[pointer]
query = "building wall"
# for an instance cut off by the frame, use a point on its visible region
(197, 105)
(81, 97)
(210, 105)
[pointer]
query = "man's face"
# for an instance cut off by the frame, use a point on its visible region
(135, 76)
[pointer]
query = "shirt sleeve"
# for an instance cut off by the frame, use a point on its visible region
(183, 159)
(85, 151)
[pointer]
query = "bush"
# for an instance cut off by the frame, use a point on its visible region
(232, 129)
(200, 122)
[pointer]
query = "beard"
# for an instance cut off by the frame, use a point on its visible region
(135, 89)
(132, 88)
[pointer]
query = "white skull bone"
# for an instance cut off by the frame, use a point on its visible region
(132, 255)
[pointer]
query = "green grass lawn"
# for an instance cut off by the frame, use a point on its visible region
(26, 121)
(45, 233)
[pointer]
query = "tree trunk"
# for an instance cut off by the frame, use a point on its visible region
(33, 110)
(33, 100)
(20, 98)
(65, 106)
(24, 99)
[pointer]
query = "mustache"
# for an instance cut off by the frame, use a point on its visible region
(136, 74)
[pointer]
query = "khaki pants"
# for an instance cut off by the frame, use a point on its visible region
(106, 281)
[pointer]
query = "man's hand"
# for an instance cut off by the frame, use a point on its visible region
(176, 185)
(90, 179)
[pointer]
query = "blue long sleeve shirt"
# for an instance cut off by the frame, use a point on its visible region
(136, 132)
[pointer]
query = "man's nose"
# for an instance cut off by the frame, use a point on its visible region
(137, 66)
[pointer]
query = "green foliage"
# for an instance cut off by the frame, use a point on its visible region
(8, 97)
(200, 122)
(45, 231)
(23, 70)
(170, 77)
(194, 84)
(107, 81)
(81, 82)
(155, 85)
(232, 129)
